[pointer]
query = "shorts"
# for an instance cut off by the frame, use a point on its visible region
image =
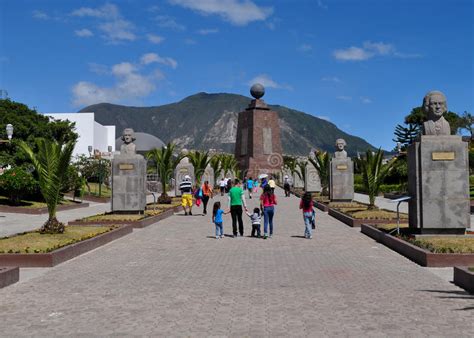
(187, 200)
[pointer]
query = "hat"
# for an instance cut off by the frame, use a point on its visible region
(187, 177)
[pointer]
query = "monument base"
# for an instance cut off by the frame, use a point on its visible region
(128, 184)
(433, 231)
(341, 179)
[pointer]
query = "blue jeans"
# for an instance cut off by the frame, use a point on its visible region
(219, 229)
(308, 230)
(268, 213)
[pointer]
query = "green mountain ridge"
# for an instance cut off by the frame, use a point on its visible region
(204, 121)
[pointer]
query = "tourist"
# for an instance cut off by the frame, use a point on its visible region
(217, 213)
(267, 204)
(286, 186)
(244, 183)
(197, 193)
(250, 185)
(255, 186)
(228, 185)
(206, 194)
(306, 204)
(236, 201)
(272, 184)
(255, 218)
(222, 185)
(264, 183)
(186, 188)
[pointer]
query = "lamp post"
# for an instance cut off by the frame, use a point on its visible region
(97, 156)
(9, 130)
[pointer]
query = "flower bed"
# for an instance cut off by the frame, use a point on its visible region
(38, 208)
(416, 253)
(354, 214)
(50, 250)
(464, 278)
(9, 275)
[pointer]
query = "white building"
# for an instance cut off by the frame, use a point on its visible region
(90, 133)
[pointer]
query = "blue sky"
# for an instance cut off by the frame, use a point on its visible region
(363, 65)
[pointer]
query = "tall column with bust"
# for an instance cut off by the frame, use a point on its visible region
(341, 174)
(438, 175)
(258, 146)
(128, 177)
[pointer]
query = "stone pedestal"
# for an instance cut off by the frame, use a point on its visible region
(128, 183)
(183, 168)
(208, 176)
(438, 182)
(341, 179)
(258, 146)
(312, 180)
(297, 181)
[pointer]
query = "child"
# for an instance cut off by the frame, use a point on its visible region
(217, 213)
(256, 219)
(306, 204)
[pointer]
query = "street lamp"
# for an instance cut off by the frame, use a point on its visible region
(9, 130)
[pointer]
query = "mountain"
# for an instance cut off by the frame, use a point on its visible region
(205, 121)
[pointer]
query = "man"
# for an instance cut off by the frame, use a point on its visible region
(236, 200)
(286, 186)
(434, 104)
(222, 185)
(272, 184)
(186, 188)
(128, 136)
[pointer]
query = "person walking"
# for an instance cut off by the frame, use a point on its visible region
(217, 213)
(267, 204)
(250, 185)
(222, 185)
(207, 193)
(272, 184)
(236, 201)
(186, 188)
(255, 218)
(286, 186)
(306, 204)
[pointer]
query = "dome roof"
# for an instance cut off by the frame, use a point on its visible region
(144, 142)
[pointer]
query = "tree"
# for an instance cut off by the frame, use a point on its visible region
(322, 162)
(199, 160)
(228, 164)
(406, 135)
(467, 120)
(166, 162)
(215, 164)
(374, 173)
(418, 116)
(51, 163)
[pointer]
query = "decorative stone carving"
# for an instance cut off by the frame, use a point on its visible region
(183, 168)
(434, 103)
(128, 147)
(340, 152)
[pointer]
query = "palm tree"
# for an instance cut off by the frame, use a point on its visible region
(215, 164)
(51, 163)
(301, 170)
(373, 173)
(321, 162)
(229, 164)
(166, 162)
(199, 160)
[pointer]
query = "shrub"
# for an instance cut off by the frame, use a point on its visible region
(16, 183)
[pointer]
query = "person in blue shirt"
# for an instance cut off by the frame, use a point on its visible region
(217, 213)
(250, 186)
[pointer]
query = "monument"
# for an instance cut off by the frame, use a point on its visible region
(208, 175)
(258, 147)
(183, 168)
(341, 174)
(312, 182)
(438, 175)
(128, 177)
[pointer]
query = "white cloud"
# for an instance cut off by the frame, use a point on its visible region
(83, 33)
(115, 28)
(156, 39)
(153, 57)
(40, 15)
(331, 79)
(322, 117)
(344, 98)
(365, 99)
(153, 9)
(208, 31)
(165, 21)
(305, 47)
(237, 12)
(98, 68)
(369, 50)
(268, 82)
(321, 4)
(190, 42)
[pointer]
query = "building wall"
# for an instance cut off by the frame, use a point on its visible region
(90, 132)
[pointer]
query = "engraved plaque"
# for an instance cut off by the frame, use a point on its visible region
(341, 167)
(443, 156)
(267, 141)
(244, 143)
(126, 166)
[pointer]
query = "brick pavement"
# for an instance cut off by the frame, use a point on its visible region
(174, 279)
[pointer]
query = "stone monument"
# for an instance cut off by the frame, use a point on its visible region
(208, 175)
(341, 174)
(312, 182)
(258, 147)
(128, 177)
(438, 175)
(183, 168)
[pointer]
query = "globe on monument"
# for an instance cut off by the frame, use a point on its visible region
(257, 91)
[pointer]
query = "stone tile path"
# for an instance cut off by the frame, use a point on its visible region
(174, 279)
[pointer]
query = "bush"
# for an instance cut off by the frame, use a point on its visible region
(16, 183)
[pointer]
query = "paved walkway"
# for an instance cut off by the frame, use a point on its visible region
(174, 279)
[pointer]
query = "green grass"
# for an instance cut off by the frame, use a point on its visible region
(361, 211)
(471, 269)
(387, 227)
(445, 244)
(34, 242)
(106, 192)
(30, 204)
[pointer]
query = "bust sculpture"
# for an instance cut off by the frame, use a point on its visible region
(340, 152)
(434, 103)
(128, 147)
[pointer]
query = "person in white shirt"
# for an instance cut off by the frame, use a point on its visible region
(222, 185)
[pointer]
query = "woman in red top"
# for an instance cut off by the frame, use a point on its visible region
(267, 204)
(206, 194)
(306, 204)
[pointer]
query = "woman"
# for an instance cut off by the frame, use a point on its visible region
(267, 204)
(206, 194)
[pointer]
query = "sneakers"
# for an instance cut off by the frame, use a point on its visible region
(217, 237)
(310, 237)
(265, 236)
(190, 213)
(222, 236)
(185, 213)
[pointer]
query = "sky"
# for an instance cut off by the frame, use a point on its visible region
(362, 65)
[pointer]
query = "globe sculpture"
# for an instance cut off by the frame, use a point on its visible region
(257, 91)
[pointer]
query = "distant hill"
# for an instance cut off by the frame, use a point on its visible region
(205, 121)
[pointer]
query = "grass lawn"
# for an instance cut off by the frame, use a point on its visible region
(390, 226)
(446, 244)
(106, 192)
(125, 217)
(471, 269)
(34, 242)
(30, 204)
(361, 211)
